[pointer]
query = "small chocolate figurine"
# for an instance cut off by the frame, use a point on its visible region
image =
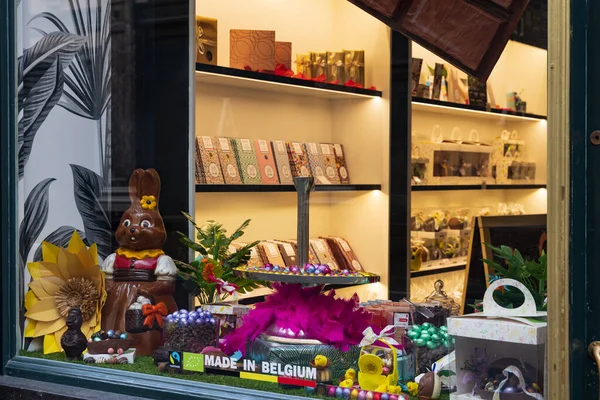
(73, 341)
(430, 386)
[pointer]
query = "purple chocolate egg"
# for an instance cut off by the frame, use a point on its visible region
(331, 391)
(326, 271)
(362, 395)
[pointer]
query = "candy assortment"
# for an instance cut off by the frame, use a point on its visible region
(190, 331)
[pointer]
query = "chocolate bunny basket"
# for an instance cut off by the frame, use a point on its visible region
(139, 272)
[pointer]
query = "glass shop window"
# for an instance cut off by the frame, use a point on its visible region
(207, 188)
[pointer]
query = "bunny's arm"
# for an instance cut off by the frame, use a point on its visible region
(108, 265)
(165, 269)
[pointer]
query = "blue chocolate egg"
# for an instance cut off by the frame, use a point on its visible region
(97, 339)
(124, 336)
(339, 392)
(110, 333)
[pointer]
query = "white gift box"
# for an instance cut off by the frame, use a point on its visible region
(502, 337)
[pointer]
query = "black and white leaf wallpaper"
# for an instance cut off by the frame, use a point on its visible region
(64, 74)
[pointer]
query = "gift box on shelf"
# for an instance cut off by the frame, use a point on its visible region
(283, 162)
(315, 160)
(266, 162)
(283, 54)
(336, 69)
(507, 171)
(298, 159)
(355, 66)
(304, 65)
(318, 62)
(509, 146)
(209, 160)
(500, 350)
(253, 49)
(263, 349)
(247, 162)
(206, 40)
(329, 164)
(230, 316)
(433, 242)
(340, 162)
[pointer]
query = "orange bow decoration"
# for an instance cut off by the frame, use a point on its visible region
(154, 313)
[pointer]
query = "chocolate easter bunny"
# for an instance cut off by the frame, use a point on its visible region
(139, 267)
(141, 235)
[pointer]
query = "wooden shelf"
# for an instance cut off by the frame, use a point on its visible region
(437, 188)
(438, 270)
(240, 78)
(444, 107)
(210, 188)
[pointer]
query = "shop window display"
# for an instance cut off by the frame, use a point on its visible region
(289, 146)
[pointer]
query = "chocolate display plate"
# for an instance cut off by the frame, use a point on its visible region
(364, 278)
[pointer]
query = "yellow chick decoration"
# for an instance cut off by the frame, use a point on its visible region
(413, 388)
(350, 374)
(382, 388)
(321, 361)
(394, 389)
(347, 383)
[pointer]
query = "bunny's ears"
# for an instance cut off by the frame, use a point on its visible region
(144, 188)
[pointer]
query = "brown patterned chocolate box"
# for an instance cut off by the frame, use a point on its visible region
(328, 156)
(210, 159)
(288, 252)
(324, 255)
(198, 171)
(283, 54)
(315, 161)
(229, 167)
(283, 162)
(340, 162)
(298, 159)
(252, 48)
(270, 252)
(206, 40)
(343, 253)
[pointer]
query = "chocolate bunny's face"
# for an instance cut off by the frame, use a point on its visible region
(141, 226)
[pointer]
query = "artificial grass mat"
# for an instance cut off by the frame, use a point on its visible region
(145, 365)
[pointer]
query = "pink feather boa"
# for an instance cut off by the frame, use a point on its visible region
(320, 316)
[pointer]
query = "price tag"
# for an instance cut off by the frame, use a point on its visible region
(401, 320)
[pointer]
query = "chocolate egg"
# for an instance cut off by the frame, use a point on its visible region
(421, 342)
(416, 328)
(362, 395)
(346, 393)
(432, 345)
(354, 394)
(430, 386)
(413, 334)
(331, 391)
(369, 396)
(436, 338)
(432, 330)
(426, 325)
(338, 392)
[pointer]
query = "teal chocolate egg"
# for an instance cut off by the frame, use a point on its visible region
(416, 328)
(425, 325)
(444, 334)
(421, 342)
(444, 328)
(436, 338)
(446, 343)
(432, 345)
(413, 334)
(425, 335)
(432, 330)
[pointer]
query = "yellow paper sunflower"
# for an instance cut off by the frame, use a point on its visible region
(66, 278)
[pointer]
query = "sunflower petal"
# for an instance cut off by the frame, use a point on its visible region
(86, 325)
(49, 269)
(94, 252)
(30, 299)
(75, 243)
(49, 252)
(50, 344)
(87, 261)
(34, 270)
(70, 265)
(44, 310)
(52, 284)
(37, 288)
(46, 328)
(30, 328)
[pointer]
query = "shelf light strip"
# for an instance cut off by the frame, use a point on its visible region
(483, 113)
(200, 73)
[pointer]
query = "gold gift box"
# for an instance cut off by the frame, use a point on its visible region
(318, 62)
(336, 70)
(206, 40)
(303, 65)
(355, 66)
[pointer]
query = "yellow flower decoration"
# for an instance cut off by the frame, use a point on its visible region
(66, 278)
(413, 388)
(148, 202)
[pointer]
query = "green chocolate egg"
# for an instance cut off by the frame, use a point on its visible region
(426, 325)
(444, 328)
(413, 334)
(445, 343)
(432, 330)
(432, 345)
(436, 338)
(421, 342)
(425, 335)
(416, 328)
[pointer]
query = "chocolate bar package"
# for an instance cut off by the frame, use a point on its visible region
(246, 159)
(298, 159)
(340, 162)
(283, 54)
(252, 48)
(323, 253)
(209, 158)
(318, 60)
(270, 253)
(283, 162)
(417, 63)
(266, 162)
(315, 160)
(229, 167)
(206, 40)
(198, 171)
(343, 253)
(287, 251)
(328, 157)
(355, 66)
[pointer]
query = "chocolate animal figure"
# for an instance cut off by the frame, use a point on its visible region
(139, 267)
(73, 341)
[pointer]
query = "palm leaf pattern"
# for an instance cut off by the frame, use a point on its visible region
(41, 80)
(88, 90)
